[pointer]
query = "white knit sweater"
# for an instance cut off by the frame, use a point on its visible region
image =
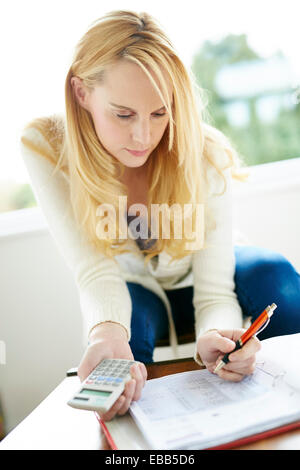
(101, 283)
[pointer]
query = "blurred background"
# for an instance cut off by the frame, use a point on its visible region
(243, 54)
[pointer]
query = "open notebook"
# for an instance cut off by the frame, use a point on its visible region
(198, 410)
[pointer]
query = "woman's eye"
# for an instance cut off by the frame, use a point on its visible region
(127, 116)
(123, 116)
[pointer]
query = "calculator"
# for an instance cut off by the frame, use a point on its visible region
(103, 386)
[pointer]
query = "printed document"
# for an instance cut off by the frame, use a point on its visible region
(197, 409)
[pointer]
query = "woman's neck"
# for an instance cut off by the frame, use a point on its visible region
(132, 176)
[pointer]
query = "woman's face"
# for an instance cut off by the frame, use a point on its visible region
(127, 112)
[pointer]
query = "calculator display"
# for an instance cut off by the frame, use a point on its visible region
(98, 393)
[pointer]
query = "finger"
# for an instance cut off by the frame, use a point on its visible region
(82, 373)
(121, 402)
(234, 335)
(85, 367)
(230, 376)
(110, 414)
(143, 370)
(137, 375)
(84, 370)
(128, 394)
(246, 367)
(223, 344)
(249, 349)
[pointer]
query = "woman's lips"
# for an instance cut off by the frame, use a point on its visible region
(136, 153)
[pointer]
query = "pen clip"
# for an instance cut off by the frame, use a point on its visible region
(263, 327)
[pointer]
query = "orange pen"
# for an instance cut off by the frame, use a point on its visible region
(257, 326)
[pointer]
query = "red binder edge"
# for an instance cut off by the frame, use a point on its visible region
(256, 437)
(229, 445)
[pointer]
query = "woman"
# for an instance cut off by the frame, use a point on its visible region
(134, 128)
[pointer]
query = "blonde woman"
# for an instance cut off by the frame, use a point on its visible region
(134, 128)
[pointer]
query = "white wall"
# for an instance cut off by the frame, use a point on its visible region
(40, 320)
(267, 208)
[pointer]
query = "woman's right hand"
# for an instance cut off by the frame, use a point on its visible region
(109, 341)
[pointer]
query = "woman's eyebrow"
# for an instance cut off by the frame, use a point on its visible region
(130, 109)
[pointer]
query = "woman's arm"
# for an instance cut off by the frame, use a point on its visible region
(215, 302)
(218, 314)
(104, 297)
(103, 293)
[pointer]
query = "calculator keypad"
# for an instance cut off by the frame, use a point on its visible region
(110, 372)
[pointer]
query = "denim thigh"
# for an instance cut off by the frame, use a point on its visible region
(263, 277)
(149, 322)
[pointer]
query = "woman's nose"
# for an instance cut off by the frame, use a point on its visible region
(141, 134)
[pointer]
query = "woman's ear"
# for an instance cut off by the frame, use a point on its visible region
(80, 92)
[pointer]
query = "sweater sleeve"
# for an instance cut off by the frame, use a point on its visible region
(103, 293)
(215, 302)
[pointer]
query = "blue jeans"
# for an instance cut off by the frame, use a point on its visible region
(261, 277)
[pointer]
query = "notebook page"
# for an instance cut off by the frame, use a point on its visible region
(199, 409)
(285, 352)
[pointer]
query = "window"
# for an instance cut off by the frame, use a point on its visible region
(253, 99)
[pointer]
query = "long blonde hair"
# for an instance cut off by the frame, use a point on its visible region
(177, 167)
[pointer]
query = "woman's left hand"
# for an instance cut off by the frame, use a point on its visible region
(215, 343)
